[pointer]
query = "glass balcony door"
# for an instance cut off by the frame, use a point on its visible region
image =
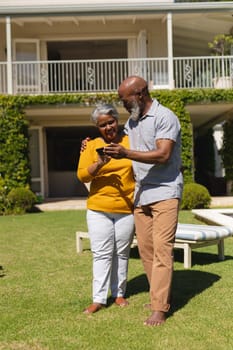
(26, 68)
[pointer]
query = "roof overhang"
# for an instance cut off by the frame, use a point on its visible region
(48, 7)
(205, 115)
(64, 116)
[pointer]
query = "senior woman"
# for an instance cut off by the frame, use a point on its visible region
(109, 209)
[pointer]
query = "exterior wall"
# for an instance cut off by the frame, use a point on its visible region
(157, 39)
(2, 42)
(64, 30)
(14, 3)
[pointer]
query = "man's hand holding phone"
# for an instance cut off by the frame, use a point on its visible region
(84, 144)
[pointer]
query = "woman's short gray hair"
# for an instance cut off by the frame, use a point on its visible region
(104, 109)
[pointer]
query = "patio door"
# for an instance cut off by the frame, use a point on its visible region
(95, 64)
(36, 160)
(26, 67)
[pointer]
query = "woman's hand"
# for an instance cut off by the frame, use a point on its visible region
(94, 168)
(102, 160)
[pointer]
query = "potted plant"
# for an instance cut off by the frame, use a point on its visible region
(221, 46)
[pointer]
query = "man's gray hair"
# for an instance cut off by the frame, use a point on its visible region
(104, 109)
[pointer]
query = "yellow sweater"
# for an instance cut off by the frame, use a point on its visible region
(111, 190)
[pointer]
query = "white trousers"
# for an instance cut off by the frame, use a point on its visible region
(111, 235)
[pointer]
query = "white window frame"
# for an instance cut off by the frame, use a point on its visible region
(26, 88)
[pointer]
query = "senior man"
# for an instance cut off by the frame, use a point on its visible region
(155, 149)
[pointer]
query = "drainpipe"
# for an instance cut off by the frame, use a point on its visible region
(9, 56)
(170, 51)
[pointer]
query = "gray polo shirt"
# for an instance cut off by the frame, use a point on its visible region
(156, 182)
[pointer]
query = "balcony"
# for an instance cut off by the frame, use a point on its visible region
(45, 77)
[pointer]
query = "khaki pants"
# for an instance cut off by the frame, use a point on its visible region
(155, 228)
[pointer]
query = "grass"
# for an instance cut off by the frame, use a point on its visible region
(45, 285)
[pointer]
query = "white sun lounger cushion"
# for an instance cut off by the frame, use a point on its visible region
(195, 232)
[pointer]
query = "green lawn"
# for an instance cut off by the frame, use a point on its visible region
(45, 285)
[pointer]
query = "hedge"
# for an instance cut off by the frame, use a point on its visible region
(14, 150)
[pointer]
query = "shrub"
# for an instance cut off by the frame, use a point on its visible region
(227, 149)
(21, 200)
(14, 140)
(195, 196)
(3, 197)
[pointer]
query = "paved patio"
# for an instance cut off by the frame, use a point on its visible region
(80, 203)
(63, 204)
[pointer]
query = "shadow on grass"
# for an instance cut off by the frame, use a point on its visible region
(134, 253)
(137, 285)
(187, 284)
(2, 274)
(199, 257)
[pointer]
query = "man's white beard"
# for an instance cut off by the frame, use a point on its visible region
(135, 112)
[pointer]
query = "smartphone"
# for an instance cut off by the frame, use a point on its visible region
(100, 151)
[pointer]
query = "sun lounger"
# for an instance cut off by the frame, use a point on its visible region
(188, 237)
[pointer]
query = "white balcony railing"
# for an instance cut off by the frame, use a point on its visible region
(43, 77)
(203, 72)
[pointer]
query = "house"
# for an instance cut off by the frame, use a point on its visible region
(90, 46)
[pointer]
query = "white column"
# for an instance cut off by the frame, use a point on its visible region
(170, 51)
(9, 56)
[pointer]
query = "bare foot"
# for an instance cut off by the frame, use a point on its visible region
(122, 302)
(93, 308)
(156, 319)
